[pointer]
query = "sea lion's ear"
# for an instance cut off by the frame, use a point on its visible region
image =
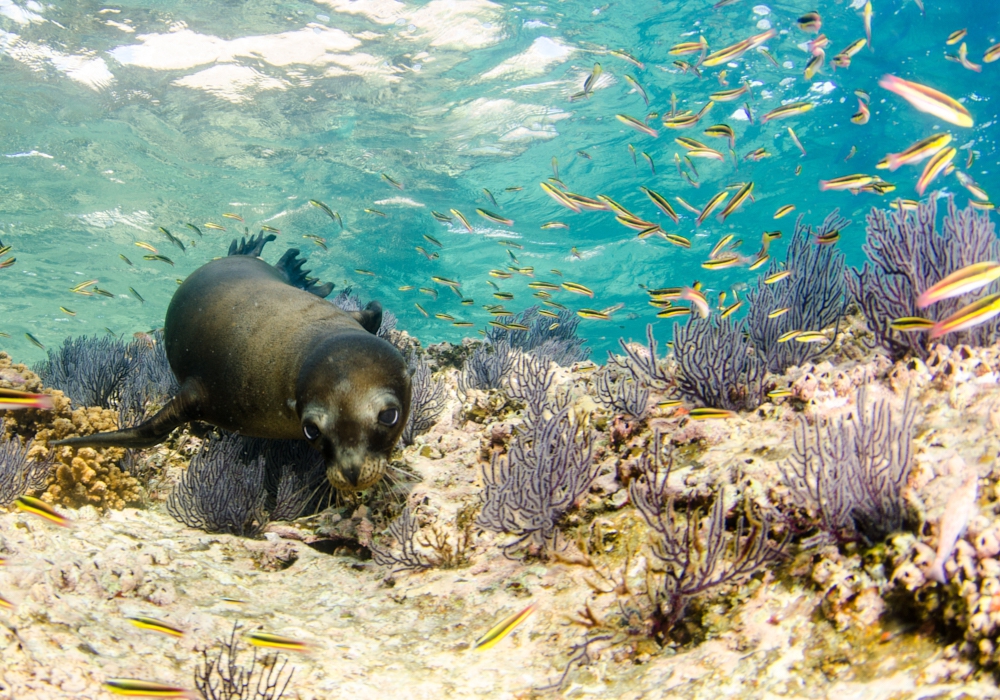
(370, 317)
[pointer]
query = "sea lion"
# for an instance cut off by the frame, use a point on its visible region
(256, 355)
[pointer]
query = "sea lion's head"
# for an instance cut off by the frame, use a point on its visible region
(353, 400)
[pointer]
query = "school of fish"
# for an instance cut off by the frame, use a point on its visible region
(937, 152)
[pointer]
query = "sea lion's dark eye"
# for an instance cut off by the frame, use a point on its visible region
(388, 417)
(310, 430)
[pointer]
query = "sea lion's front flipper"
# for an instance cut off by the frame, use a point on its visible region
(369, 317)
(184, 407)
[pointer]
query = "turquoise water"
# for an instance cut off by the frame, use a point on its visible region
(121, 118)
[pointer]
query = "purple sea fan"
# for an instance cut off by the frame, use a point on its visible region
(716, 365)
(621, 393)
(428, 402)
(486, 367)
(134, 377)
(407, 555)
(814, 296)
(19, 473)
(222, 489)
(550, 466)
(695, 553)
(646, 368)
(852, 471)
(91, 371)
(906, 255)
(547, 339)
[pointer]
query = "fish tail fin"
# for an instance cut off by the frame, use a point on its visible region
(179, 410)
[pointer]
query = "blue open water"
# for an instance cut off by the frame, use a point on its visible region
(116, 119)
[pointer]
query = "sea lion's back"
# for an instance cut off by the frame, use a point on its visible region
(235, 318)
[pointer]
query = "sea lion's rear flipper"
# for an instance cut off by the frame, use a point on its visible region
(184, 407)
(369, 317)
(291, 265)
(252, 247)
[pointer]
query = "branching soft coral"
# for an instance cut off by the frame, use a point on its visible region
(907, 253)
(19, 473)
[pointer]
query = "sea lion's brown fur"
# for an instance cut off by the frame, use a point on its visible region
(265, 359)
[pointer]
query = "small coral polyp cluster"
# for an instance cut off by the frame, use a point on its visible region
(970, 603)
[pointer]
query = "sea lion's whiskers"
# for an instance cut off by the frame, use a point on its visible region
(381, 490)
(340, 499)
(314, 490)
(328, 494)
(296, 496)
(397, 475)
(391, 487)
(391, 480)
(314, 483)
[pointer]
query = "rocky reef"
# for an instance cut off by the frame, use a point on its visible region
(390, 589)
(734, 515)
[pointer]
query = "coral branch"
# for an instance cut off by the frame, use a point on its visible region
(91, 371)
(407, 554)
(644, 366)
(546, 341)
(620, 393)
(550, 465)
(132, 377)
(19, 473)
(428, 399)
(530, 380)
(549, 339)
(852, 471)
(814, 295)
(222, 678)
(696, 553)
(906, 255)
(716, 365)
(422, 549)
(486, 367)
(222, 490)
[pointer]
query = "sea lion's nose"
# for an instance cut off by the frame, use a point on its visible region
(352, 473)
